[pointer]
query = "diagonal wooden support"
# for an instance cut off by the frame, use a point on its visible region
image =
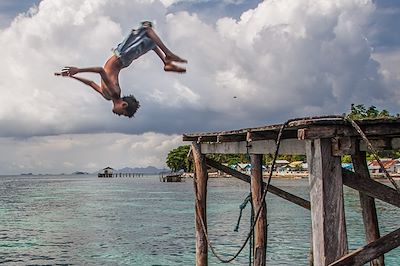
(370, 251)
(370, 218)
(274, 190)
(371, 188)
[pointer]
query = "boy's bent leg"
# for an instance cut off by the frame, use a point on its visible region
(168, 66)
(169, 56)
(160, 54)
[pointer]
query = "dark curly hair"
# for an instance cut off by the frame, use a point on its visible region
(133, 105)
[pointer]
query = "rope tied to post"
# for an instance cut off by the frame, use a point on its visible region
(242, 207)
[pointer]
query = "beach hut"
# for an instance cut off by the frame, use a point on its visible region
(389, 165)
(295, 166)
(106, 172)
(279, 165)
(243, 167)
(348, 166)
(397, 167)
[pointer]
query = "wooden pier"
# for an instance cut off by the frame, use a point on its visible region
(110, 175)
(323, 140)
(171, 177)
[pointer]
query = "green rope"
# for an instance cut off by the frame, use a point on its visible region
(242, 207)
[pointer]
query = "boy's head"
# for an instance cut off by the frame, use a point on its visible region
(127, 106)
(133, 105)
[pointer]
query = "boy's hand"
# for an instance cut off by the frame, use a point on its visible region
(67, 71)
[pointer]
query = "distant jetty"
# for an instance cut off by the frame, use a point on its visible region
(171, 177)
(109, 172)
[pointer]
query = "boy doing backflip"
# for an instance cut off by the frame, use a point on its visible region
(136, 44)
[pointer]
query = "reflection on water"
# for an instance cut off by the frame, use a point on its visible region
(84, 220)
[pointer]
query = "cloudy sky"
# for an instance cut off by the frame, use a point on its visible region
(251, 63)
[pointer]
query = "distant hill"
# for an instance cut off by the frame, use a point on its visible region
(142, 170)
(80, 173)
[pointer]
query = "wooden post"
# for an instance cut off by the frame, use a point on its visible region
(200, 185)
(257, 193)
(370, 217)
(326, 196)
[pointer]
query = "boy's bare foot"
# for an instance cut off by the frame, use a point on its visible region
(175, 58)
(174, 68)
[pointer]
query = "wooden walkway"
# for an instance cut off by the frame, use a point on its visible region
(323, 140)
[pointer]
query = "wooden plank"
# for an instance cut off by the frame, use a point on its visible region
(316, 127)
(256, 185)
(382, 144)
(203, 138)
(272, 135)
(396, 143)
(371, 251)
(368, 208)
(268, 128)
(342, 146)
(274, 190)
(316, 132)
(287, 146)
(371, 188)
(231, 138)
(200, 183)
(326, 196)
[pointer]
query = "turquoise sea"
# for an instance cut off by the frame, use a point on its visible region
(84, 220)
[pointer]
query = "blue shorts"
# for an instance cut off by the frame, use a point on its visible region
(133, 46)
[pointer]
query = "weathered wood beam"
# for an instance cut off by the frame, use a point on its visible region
(200, 185)
(274, 190)
(316, 132)
(342, 146)
(327, 208)
(287, 146)
(272, 135)
(200, 138)
(231, 138)
(371, 251)
(257, 189)
(367, 203)
(371, 188)
(219, 144)
(382, 144)
(240, 136)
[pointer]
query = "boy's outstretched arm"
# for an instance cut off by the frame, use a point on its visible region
(70, 71)
(89, 83)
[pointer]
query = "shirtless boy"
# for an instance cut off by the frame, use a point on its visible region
(136, 44)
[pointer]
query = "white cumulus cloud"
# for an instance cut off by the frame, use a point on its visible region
(277, 60)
